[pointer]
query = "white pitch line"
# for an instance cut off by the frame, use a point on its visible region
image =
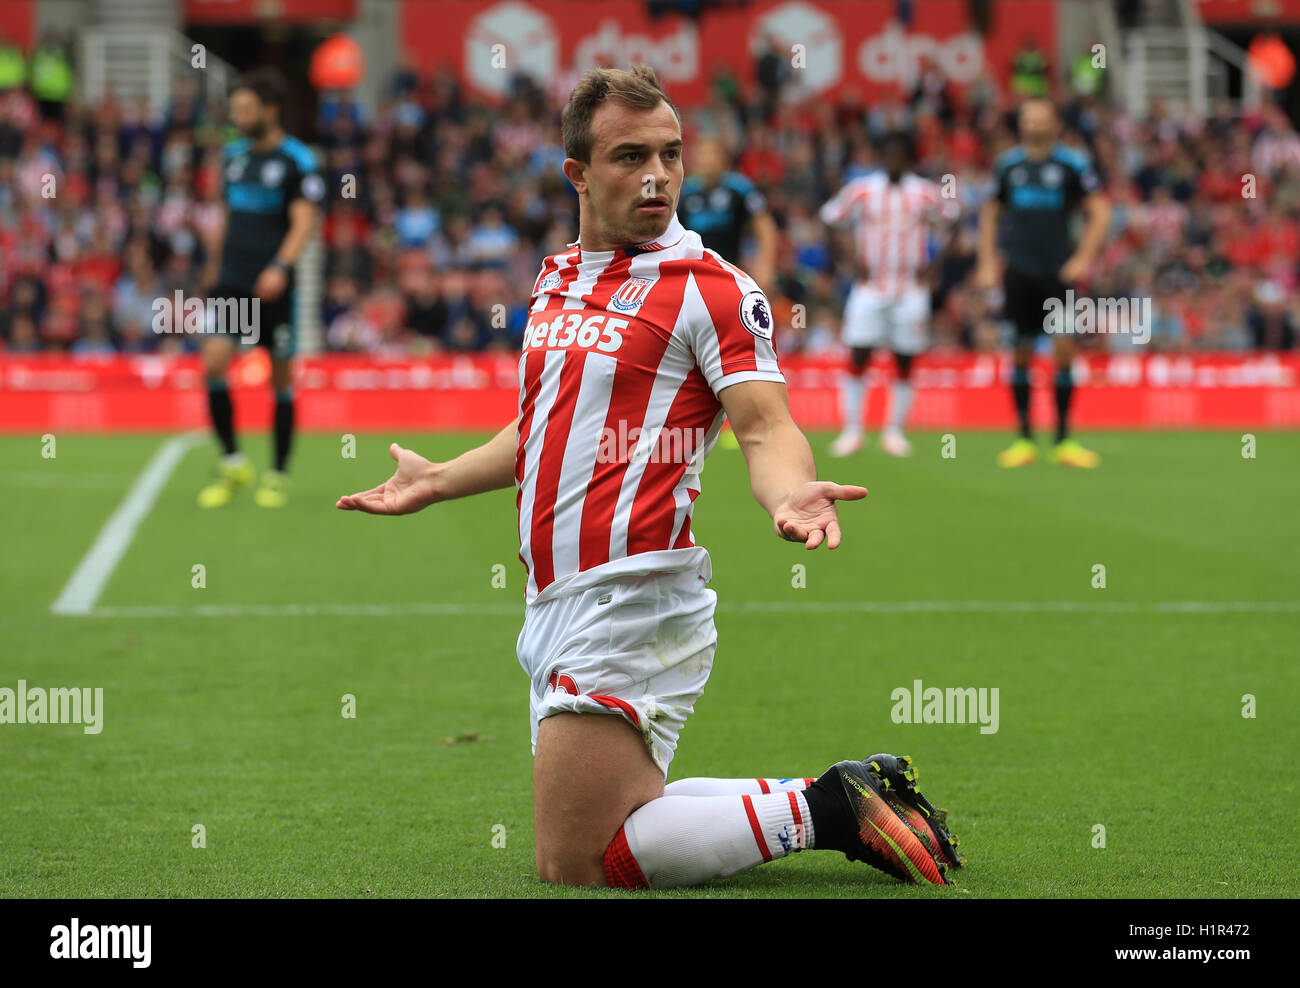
(749, 607)
(87, 581)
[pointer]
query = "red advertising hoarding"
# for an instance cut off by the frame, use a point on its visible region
(259, 11)
(1257, 13)
(843, 45)
(48, 393)
(18, 23)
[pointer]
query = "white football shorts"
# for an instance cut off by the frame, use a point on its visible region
(899, 323)
(635, 646)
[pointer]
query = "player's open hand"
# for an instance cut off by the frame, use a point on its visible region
(409, 489)
(1074, 270)
(808, 514)
(270, 284)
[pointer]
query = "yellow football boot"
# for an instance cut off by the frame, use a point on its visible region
(273, 492)
(1020, 453)
(233, 475)
(1070, 454)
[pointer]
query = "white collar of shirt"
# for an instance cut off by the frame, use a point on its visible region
(669, 238)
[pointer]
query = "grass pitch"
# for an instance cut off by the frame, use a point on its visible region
(1119, 707)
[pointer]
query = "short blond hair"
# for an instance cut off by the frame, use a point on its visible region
(637, 88)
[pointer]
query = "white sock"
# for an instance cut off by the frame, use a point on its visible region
(734, 787)
(853, 390)
(687, 840)
(901, 404)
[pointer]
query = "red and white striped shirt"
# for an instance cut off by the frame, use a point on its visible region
(624, 356)
(889, 223)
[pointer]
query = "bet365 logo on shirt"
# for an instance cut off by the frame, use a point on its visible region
(575, 329)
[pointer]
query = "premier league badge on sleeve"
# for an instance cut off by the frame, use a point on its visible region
(756, 315)
(313, 187)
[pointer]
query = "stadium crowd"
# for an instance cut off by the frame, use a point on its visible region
(104, 210)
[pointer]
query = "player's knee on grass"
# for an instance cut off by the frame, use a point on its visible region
(579, 869)
(590, 773)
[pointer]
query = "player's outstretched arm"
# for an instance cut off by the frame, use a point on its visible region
(418, 482)
(782, 473)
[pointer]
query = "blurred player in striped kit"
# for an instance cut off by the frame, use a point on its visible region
(886, 217)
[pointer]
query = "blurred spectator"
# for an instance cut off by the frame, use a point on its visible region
(95, 334)
(491, 242)
(417, 221)
(13, 66)
(1088, 71)
(135, 292)
(427, 313)
(1271, 325)
(1029, 69)
(22, 335)
(51, 78)
(772, 69)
